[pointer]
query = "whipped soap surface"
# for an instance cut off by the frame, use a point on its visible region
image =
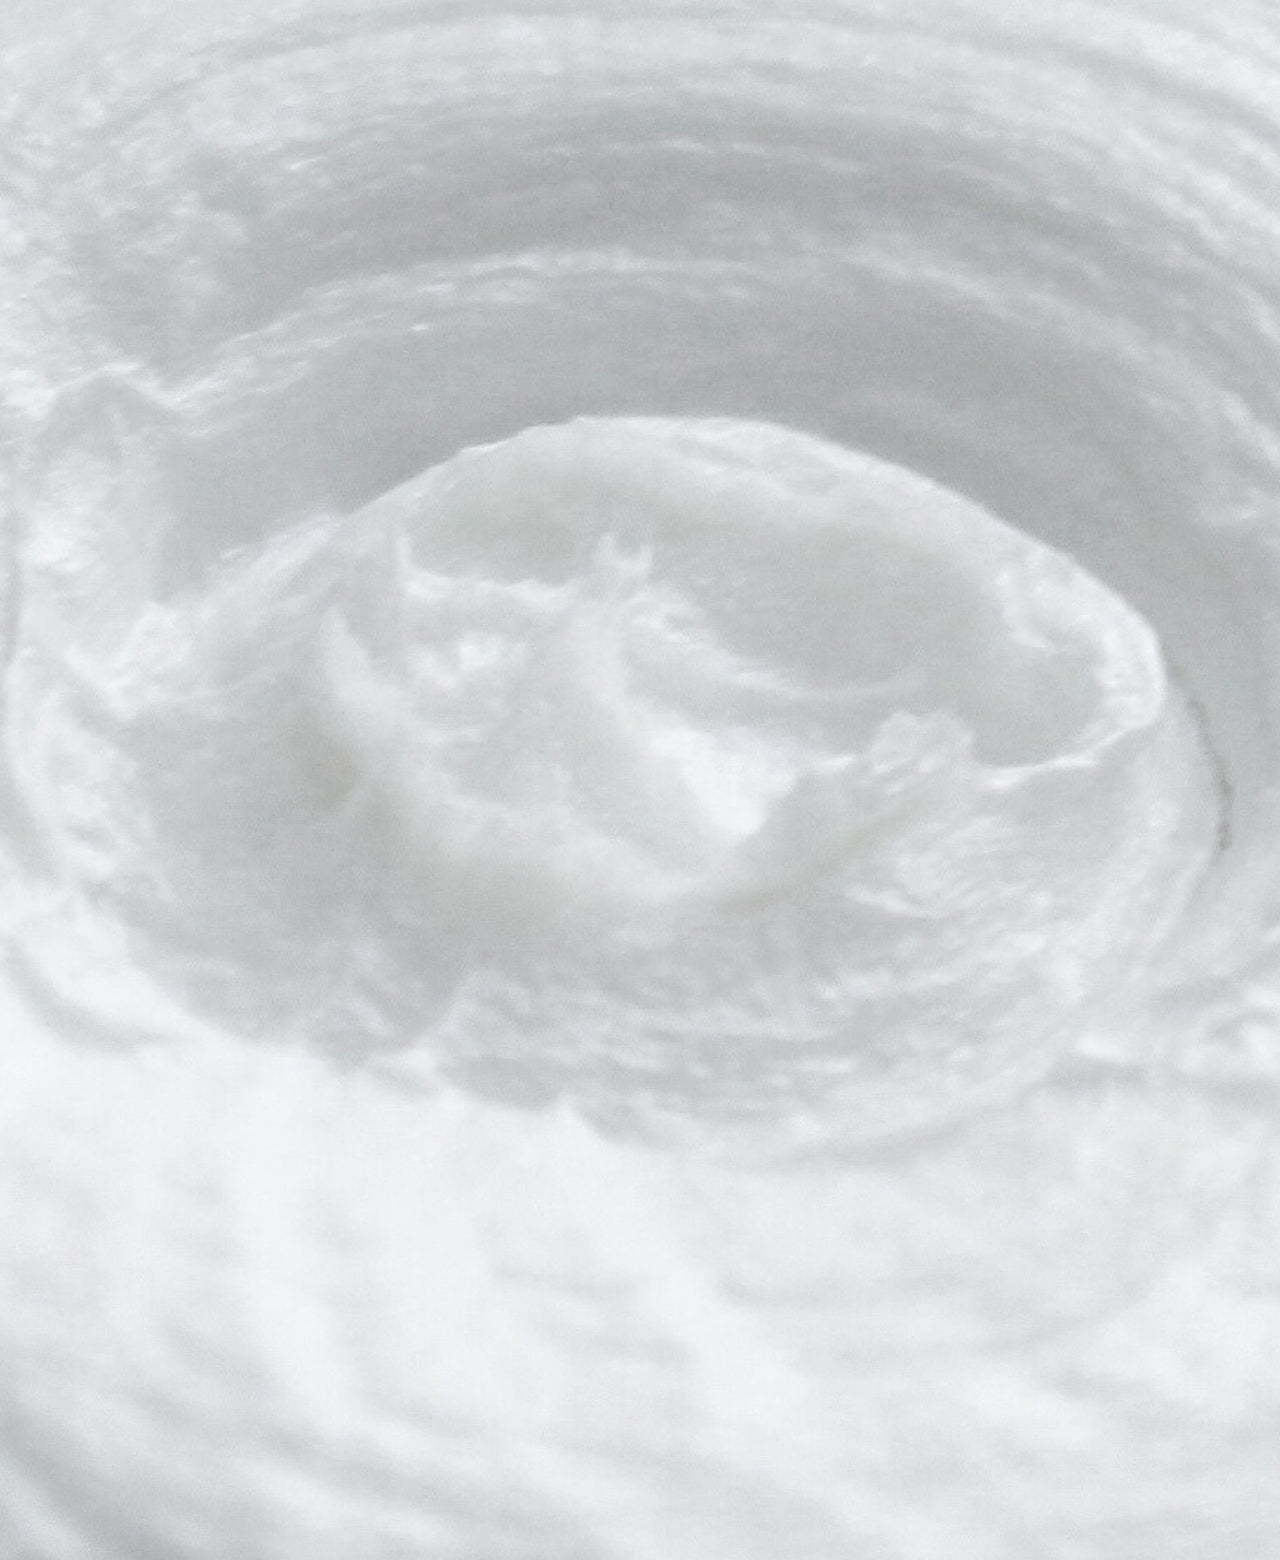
(638, 807)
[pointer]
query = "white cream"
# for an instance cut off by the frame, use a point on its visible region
(639, 791)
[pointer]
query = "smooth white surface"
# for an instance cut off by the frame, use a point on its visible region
(639, 793)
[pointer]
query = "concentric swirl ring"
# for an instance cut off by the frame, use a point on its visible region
(639, 785)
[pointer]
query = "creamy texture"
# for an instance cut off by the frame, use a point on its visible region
(639, 793)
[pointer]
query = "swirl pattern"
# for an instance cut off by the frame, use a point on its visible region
(641, 739)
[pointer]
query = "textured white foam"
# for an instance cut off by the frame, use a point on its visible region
(638, 797)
